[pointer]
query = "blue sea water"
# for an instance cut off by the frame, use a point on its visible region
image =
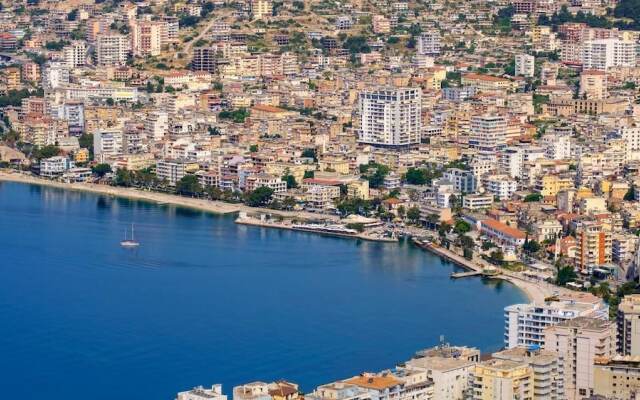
(205, 301)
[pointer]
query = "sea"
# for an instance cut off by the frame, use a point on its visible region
(204, 301)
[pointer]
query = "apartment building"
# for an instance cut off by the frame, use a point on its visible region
(525, 323)
(55, 166)
(594, 245)
(628, 326)
(463, 181)
(617, 377)
(593, 84)
(146, 38)
(499, 379)
(602, 54)
(390, 116)
(488, 135)
(548, 373)
(112, 50)
(75, 54)
(429, 43)
(502, 233)
(500, 186)
(579, 342)
(525, 65)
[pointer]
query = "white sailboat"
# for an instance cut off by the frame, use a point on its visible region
(129, 242)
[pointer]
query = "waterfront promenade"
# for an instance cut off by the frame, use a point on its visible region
(216, 207)
(536, 290)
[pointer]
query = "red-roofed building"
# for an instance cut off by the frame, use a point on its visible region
(503, 233)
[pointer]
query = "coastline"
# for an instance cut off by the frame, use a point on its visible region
(211, 206)
(535, 291)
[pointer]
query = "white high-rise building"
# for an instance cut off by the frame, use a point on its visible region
(525, 65)
(606, 53)
(156, 125)
(488, 134)
(557, 147)
(525, 323)
(429, 43)
(631, 137)
(112, 50)
(75, 54)
(390, 116)
(55, 75)
(107, 145)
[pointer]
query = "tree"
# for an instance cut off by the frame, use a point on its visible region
(253, 148)
(291, 181)
(188, 185)
(376, 179)
(101, 169)
(531, 246)
(45, 152)
(288, 203)
(308, 174)
(461, 227)
(532, 197)
(565, 275)
(310, 153)
(631, 194)
(413, 213)
(415, 176)
(401, 211)
(259, 197)
(123, 177)
(466, 242)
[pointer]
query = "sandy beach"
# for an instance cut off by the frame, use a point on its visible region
(216, 207)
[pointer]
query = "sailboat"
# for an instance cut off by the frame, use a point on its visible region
(129, 242)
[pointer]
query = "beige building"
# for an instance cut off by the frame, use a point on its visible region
(579, 342)
(451, 376)
(146, 38)
(617, 378)
(548, 374)
(593, 84)
(500, 379)
(628, 325)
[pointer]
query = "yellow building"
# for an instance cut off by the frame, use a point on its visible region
(358, 189)
(550, 185)
(498, 379)
(607, 373)
(81, 156)
(488, 82)
(333, 164)
(11, 77)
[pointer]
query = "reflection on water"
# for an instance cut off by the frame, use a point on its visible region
(204, 300)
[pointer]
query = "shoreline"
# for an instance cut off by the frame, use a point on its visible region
(211, 206)
(274, 225)
(535, 291)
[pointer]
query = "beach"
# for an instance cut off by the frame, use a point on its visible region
(216, 207)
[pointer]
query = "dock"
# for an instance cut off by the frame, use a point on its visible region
(458, 275)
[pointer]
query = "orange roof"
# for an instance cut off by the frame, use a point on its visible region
(504, 228)
(374, 382)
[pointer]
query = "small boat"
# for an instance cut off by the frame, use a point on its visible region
(129, 242)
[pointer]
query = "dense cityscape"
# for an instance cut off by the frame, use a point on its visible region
(502, 136)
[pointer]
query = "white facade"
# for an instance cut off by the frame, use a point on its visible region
(156, 125)
(54, 166)
(488, 134)
(606, 53)
(429, 43)
(107, 145)
(75, 55)
(55, 75)
(390, 116)
(525, 65)
(112, 50)
(501, 186)
(525, 323)
(200, 393)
